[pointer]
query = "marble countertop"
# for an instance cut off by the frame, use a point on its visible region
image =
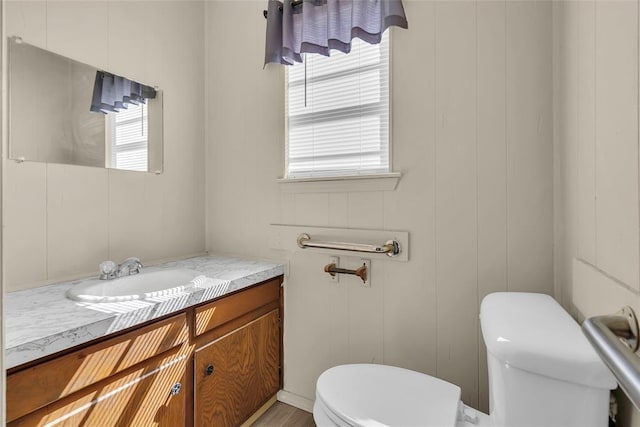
(42, 321)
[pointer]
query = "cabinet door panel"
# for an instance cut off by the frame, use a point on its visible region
(47, 382)
(238, 373)
(140, 398)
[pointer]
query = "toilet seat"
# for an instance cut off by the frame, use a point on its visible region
(379, 395)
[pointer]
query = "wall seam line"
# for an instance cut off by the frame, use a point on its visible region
(637, 272)
(506, 143)
(595, 127)
(610, 277)
(477, 214)
(435, 173)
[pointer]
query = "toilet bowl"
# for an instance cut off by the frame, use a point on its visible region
(542, 373)
(380, 395)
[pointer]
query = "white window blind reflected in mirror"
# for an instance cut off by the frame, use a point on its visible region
(338, 113)
(129, 133)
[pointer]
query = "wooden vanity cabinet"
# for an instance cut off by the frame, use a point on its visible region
(237, 356)
(210, 365)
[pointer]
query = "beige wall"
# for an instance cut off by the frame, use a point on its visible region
(61, 221)
(3, 372)
(472, 136)
(596, 159)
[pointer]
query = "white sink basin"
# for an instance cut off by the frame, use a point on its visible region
(139, 286)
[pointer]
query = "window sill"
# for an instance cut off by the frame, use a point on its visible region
(380, 182)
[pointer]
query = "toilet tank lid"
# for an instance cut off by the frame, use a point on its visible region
(534, 333)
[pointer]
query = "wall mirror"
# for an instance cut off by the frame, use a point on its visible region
(64, 111)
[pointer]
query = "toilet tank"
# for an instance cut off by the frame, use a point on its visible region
(542, 370)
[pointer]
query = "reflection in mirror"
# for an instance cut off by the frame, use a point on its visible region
(64, 111)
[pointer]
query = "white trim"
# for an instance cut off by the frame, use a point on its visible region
(378, 182)
(295, 400)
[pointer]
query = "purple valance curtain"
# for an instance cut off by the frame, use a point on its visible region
(317, 26)
(115, 93)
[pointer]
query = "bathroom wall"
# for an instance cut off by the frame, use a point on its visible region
(61, 221)
(472, 137)
(3, 372)
(596, 89)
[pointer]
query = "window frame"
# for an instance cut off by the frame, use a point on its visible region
(111, 151)
(345, 182)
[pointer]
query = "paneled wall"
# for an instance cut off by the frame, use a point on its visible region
(596, 159)
(472, 136)
(61, 221)
(3, 397)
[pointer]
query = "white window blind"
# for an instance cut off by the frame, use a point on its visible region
(129, 135)
(337, 113)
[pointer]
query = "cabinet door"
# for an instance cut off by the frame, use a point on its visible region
(146, 396)
(237, 373)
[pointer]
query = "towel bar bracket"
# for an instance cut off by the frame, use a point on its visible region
(624, 325)
(615, 339)
(629, 333)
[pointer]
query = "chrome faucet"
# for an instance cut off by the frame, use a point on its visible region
(130, 266)
(110, 270)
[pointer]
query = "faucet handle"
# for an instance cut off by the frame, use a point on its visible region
(108, 270)
(134, 264)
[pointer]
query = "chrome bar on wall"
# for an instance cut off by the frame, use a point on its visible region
(615, 339)
(391, 247)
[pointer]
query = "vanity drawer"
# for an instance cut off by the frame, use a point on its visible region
(150, 394)
(47, 382)
(210, 316)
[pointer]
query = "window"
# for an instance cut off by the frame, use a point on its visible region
(127, 138)
(337, 111)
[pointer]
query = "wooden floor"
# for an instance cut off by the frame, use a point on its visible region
(281, 415)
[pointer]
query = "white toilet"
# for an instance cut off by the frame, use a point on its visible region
(542, 373)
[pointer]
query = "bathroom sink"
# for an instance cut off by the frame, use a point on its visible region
(139, 286)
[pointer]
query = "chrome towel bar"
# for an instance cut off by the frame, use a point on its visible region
(615, 339)
(391, 247)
